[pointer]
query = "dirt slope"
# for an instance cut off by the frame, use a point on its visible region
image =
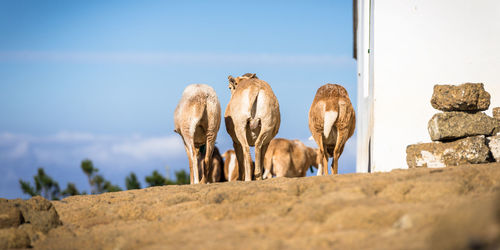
(405, 209)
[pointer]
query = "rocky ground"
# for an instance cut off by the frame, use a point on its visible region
(449, 208)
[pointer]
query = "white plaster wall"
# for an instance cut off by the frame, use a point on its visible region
(365, 91)
(420, 43)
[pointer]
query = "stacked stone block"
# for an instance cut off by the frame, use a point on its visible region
(494, 141)
(461, 133)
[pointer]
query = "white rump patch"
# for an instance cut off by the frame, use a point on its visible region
(330, 118)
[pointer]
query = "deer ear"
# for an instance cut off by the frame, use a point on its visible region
(232, 81)
(250, 75)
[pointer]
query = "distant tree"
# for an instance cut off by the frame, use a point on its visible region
(108, 187)
(131, 182)
(98, 184)
(28, 189)
(70, 190)
(101, 185)
(182, 177)
(156, 179)
(48, 187)
(89, 170)
(44, 186)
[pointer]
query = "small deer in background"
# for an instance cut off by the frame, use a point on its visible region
(197, 120)
(289, 158)
(232, 170)
(331, 122)
(216, 173)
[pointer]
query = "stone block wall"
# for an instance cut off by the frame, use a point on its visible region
(462, 133)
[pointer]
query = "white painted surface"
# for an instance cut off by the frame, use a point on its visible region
(417, 44)
(365, 94)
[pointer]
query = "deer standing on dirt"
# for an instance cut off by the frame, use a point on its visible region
(252, 119)
(331, 122)
(197, 120)
(289, 158)
(232, 170)
(216, 173)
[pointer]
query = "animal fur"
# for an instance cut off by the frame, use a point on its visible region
(232, 171)
(289, 158)
(216, 173)
(331, 122)
(252, 119)
(197, 120)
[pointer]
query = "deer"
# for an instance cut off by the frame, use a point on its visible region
(216, 173)
(289, 158)
(332, 122)
(252, 118)
(197, 120)
(232, 171)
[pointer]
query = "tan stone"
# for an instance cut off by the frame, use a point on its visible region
(494, 144)
(443, 154)
(496, 113)
(464, 97)
(10, 215)
(14, 238)
(40, 213)
(454, 125)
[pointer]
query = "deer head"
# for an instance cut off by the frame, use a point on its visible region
(233, 82)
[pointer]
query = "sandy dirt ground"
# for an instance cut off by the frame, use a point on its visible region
(451, 208)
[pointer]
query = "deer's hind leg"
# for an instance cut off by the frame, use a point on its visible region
(192, 153)
(261, 145)
(206, 166)
(323, 164)
(342, 136)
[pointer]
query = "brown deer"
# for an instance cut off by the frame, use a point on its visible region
(331, 122)
(216, 173)
(197, 120)
(287, 158)
(252, 119)
(232, 171)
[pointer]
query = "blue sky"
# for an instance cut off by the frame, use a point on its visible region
(101, 79)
